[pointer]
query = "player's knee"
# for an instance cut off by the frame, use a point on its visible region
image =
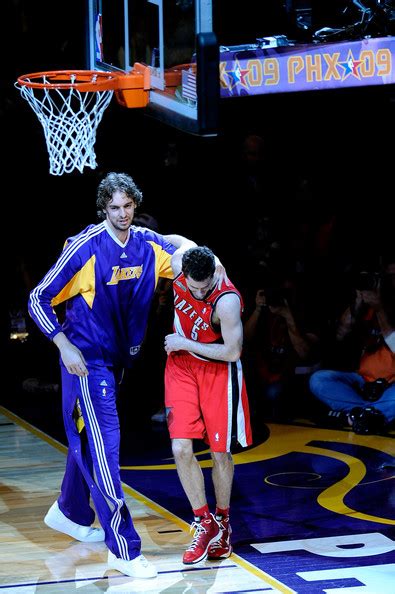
(222, 458)
(182, 449)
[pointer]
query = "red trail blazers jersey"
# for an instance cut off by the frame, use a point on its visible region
(193, 318)
(206, 398)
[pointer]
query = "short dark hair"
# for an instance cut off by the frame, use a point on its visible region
(198, 263)
(110, 184)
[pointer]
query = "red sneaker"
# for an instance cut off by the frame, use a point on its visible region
(222, 549)
(207, 531)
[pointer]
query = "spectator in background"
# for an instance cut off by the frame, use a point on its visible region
(364, 396)
(281, 348)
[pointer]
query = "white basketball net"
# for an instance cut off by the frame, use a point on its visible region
(70, 119)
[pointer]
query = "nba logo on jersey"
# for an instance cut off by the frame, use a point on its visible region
(216, 437)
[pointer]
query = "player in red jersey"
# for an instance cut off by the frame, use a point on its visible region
(205, 393)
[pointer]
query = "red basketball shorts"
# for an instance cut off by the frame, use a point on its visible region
(207, 400)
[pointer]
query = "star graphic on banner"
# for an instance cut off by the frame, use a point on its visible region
(243, 76)
(232, 77)
(351, 66)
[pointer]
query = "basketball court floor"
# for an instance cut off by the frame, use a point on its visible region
(313, 511)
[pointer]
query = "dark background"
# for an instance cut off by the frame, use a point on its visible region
(340, 142)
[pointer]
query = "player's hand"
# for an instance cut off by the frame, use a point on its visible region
(72, 357)
(74, 360)
(220, 275)
(174, 342)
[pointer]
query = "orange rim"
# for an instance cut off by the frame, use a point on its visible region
(83, 80)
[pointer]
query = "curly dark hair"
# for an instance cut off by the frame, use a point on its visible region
(198, 263)
(110, 184)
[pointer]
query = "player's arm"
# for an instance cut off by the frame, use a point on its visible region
(53, 289)
(228, 313)
(182, 244)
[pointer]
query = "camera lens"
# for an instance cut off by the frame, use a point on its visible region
(366, 281)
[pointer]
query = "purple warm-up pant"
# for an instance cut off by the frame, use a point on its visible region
(92, 466)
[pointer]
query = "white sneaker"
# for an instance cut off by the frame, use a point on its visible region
(139, 567)
(57, 520)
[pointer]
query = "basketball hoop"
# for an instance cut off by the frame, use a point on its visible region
(69, 105)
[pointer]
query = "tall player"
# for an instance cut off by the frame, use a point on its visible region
(106, 275)
(205, 393)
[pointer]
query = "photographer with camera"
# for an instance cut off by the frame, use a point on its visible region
(281, 349)
(364, 398)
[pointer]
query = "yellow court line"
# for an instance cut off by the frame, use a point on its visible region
(149, 503)
(332, 498)
(52, 442)
(296, 440)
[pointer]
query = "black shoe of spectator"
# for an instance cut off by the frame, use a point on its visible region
(367, 420)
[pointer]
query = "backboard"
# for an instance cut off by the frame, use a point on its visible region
(200, 52)
(162, 34)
